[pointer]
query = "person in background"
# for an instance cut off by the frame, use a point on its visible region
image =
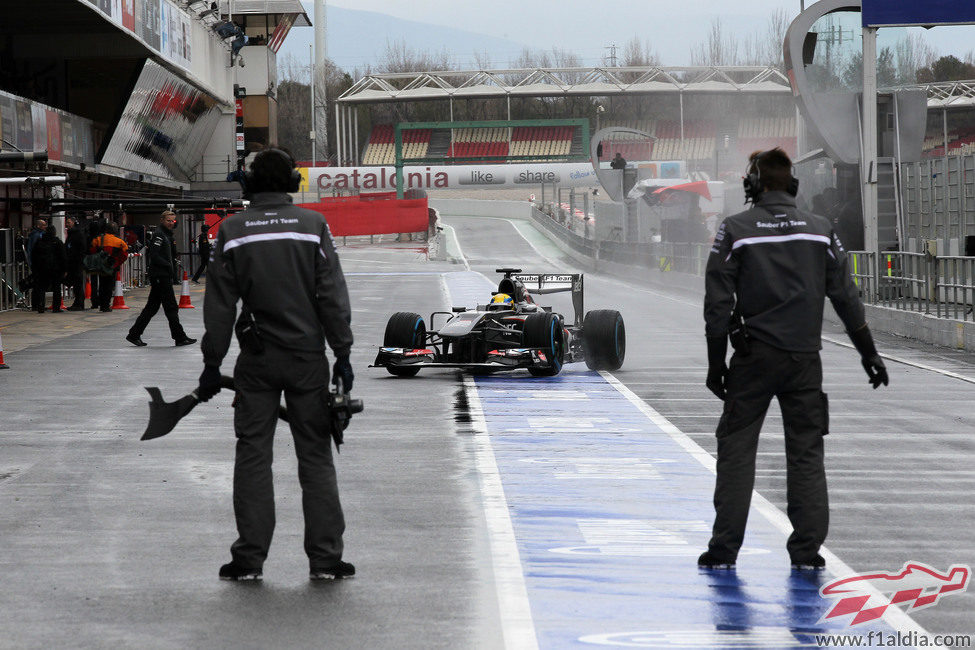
(203, 247)
(40, 225)
(75, 250)
(161, 252)
(118, 252)
(618, 161)
(48, 264)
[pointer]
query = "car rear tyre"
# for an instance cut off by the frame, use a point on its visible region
(544, 330)
(405, 330)
(604, 339)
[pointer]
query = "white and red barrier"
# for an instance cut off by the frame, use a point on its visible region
(184, 295)
(118, 300)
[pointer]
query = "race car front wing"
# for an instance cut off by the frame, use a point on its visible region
(497, 360)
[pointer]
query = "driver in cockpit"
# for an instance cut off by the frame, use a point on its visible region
(501, 302)
(504, 302)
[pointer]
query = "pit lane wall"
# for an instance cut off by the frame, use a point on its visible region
(678, 265)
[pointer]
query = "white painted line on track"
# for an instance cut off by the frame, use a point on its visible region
(518, 628)
(893, 616)
(460, 251)
(907, 362)
(387, 273)
(546, 258)
(509, 579)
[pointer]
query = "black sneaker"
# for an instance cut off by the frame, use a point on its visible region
(338, 571)
(231, 571)
(708, 561)
(185, 341)
(815, 564)
(136, 340)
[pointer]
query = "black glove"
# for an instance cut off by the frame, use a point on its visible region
(872, 363)
(209, 383)
(717, 368)
(343, 370)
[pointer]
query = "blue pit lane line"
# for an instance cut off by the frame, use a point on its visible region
(609, 507)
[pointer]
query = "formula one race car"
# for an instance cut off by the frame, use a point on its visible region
(508, 333)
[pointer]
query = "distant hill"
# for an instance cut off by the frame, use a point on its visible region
(357, 39)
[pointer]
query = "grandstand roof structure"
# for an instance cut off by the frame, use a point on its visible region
(948, 94)
(549, 82)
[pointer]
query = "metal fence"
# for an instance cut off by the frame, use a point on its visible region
(132, 274)
(943, 286)
(11, 275)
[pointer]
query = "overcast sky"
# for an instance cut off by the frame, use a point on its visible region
(588, 27)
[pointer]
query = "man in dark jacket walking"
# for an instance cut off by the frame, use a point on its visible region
(48, 264)
(75, 249)
(161, 252)
(280, 261)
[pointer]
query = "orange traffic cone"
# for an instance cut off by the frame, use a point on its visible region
(87, 288)
(62, 307)
(184, 295)
(118, 300)
(3, 366)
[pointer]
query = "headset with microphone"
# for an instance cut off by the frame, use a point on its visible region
(752, 180)
(294, 181)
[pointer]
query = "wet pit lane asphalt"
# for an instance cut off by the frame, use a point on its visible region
(486, 512)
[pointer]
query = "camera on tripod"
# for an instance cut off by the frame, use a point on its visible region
(343, 407)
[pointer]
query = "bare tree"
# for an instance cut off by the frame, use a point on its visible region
(638, 53)
(399, 57)
(775, 29)
(759, 48)
(717, 49)
(912, 53)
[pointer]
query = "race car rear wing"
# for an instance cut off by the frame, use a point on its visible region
(543, 283)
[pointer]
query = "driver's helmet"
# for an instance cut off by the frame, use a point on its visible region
(501, 301)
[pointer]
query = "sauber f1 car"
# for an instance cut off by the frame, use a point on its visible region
(509, 333)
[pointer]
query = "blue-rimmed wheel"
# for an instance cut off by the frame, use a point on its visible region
(544, 330)
(604, 339)
(405, 330)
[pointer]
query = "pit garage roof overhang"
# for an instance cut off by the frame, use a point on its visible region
(560, 82)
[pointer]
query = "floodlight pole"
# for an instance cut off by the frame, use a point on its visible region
(868, 166)
(321, 52)
(398, 138)
(314, 132)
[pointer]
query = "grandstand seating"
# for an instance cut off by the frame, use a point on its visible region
(698, 143)
(472, 143)
(763, 133)
(381, 147)
(541, 141)
(475, 143)
(961, 142)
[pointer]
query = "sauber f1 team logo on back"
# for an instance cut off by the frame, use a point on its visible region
(868, 595)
